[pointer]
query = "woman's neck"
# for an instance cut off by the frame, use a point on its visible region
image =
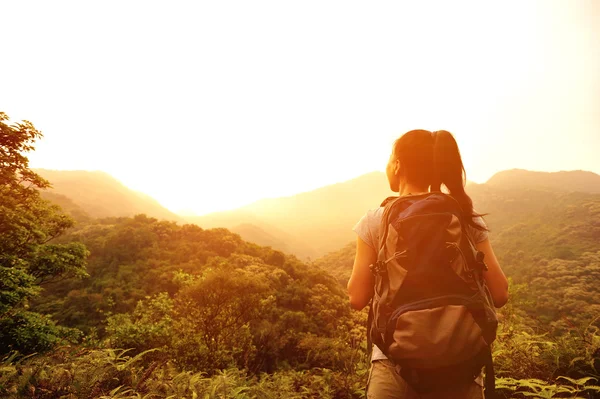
(408, 189)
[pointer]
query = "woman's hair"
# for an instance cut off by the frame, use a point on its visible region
(433, 159)
(414, 150)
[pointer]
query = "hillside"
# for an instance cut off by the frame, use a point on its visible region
(339, 263)
(67, 205)
(261, 237)
(311, 223)
(552, 223)
(98, 194)
(213, 299)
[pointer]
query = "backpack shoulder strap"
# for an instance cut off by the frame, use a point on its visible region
(387, 200)
(384, 224)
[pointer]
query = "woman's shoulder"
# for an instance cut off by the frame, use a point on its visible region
(478, 220)
(480, 233)
(367, 227)
(372, 216)
(375, 212)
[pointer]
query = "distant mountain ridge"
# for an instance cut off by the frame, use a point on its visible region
(575, 180)
(100, 195)
(308, 224)
(317, 221)
(323, 218)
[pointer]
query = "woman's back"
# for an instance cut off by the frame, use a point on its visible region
(420, 161)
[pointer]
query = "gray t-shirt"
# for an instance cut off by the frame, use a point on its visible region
(367, 229)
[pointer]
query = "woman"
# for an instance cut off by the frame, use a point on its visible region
(420, 161)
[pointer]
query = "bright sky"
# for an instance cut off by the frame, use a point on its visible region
(212, 105)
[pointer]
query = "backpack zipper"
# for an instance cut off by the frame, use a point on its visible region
(429, 302)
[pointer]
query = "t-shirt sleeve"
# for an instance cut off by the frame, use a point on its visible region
(364, 229)
(478, 235)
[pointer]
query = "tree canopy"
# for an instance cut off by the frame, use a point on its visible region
(28, 256)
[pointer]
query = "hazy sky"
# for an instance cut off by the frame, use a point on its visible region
(211, 105)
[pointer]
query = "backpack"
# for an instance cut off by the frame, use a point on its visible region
(431, 312)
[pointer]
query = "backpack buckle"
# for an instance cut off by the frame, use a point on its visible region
(378, 268)
(479, 261)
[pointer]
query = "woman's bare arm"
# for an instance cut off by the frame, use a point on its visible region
(360, 285)
(494, 276)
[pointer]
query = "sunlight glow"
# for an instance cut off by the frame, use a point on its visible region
(209, 106)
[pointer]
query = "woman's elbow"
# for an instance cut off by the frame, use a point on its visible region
(501, 301)
(357, 295)
(357, 304)
(500, 298)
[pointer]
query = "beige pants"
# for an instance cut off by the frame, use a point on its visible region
(385, 383)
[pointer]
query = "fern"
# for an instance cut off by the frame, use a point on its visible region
(580, 381)
(536, 388)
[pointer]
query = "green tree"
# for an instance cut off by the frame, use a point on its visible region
(28, 257)
(213, 316)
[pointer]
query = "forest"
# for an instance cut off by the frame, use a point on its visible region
(138, 307)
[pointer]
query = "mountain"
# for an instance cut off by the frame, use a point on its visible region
(318, 222)
(314, 222)
(576, 180)
(261, 237)
(98, 195)
(67, 205)
(339, 263)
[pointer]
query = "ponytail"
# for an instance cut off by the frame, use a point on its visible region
(448, 170)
